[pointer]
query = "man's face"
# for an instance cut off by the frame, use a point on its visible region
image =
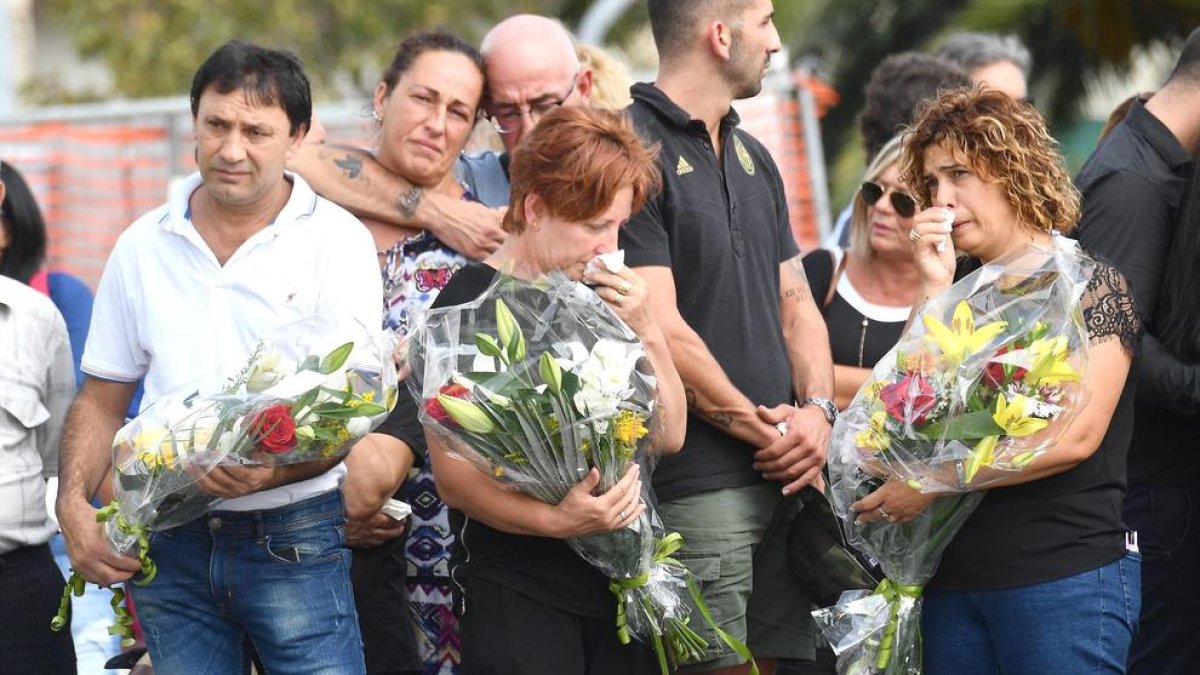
(755, 39)
(241, 148)
(520, 91)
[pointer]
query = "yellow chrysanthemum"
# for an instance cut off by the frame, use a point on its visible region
(961, 338)
(628, 427)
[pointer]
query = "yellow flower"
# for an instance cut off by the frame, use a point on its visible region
(875, 436)
(961, 339)
(983, 455)
(1049, 362)
(628, 427)
(1010, 415)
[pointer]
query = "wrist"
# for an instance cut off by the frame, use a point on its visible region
(822, 405)
(409, 201)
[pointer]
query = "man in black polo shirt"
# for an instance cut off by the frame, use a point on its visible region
(725, 277)
(1133, 187)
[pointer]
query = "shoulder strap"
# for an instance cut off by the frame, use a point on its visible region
(833, 280)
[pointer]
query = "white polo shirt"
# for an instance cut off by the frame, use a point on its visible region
(166, 310)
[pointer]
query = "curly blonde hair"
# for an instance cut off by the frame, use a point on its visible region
(1002, 140)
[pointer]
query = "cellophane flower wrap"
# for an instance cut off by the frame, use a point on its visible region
(987, 378)
(303, 395)
(536, 383)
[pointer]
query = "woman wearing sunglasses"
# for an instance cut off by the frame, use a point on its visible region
(866, 291)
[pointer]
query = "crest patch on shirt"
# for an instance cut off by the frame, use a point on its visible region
(743, 156)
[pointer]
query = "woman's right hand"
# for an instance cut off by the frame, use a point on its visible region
(935, 267)
(626, 293)
(581, 513)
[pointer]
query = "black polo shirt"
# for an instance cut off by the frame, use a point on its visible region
(1133, 188)
(722, 227)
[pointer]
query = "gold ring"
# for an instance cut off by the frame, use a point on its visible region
(914, 236)
(624, 288)
(618, 298)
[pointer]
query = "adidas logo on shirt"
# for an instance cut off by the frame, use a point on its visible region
(682, 167)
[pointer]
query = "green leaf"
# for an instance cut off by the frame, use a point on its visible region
(368, 409)
(971, 426)
(335, 359)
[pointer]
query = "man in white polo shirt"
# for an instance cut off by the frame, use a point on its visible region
(240, 251)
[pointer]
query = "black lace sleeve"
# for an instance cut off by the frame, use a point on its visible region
(1108, 309)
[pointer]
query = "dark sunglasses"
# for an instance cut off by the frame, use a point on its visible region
(904, 204)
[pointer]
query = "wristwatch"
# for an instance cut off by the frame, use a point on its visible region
(826, 406)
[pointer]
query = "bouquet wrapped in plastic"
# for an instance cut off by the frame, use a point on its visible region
(300, 397)
(536, 384)
(986, 379)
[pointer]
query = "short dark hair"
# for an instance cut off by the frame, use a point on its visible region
(268, 76)
(440, 40)
(26, 230)
(673, 22)
(1187, 68)
(897, 86)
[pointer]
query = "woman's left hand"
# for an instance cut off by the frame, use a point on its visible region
(625, 292)
(894, 502)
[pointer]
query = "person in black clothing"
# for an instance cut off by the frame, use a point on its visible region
(1039, 579)
(1133, 187)
(865, 292)
(528, 603)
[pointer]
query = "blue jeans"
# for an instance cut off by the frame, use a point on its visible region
(1167, 519)
(279, 579)
(1080, 624)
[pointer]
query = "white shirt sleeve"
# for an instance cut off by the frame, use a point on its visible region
(113, 351)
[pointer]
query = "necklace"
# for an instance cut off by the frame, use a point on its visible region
(862, 340)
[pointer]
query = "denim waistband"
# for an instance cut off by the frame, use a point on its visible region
(323, 508)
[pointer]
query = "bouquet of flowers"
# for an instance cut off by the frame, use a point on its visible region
(295, 400)
(538, 383)
(982, 383)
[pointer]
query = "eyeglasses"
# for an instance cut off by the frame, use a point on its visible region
(904, 204)
(507, 119)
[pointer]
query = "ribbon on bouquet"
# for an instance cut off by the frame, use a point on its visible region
(123, 623)
(893, 593)
(686, 644)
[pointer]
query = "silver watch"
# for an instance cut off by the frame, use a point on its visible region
(826, 406)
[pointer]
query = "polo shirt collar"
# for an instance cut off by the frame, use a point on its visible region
(1145, 124)
(301, 204)
(654, 97)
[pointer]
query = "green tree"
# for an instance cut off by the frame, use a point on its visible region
(153, 46)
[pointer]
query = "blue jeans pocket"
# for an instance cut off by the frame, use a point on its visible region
(312, 544)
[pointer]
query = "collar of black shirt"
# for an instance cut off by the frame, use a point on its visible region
(1146, 125)
(654, 97)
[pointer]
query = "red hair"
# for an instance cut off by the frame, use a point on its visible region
(577, 160)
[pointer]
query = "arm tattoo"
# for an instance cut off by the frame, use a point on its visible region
(798, 289)
(350, 165)
(718, 418)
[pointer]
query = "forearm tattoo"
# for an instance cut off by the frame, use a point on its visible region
(350, 165)
(718, 418)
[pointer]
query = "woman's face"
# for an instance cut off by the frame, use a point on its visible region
(985, 224)
(887, 230)
(428, 116)
(567, 246)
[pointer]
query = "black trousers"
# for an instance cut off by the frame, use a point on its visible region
(506, 633)
(385, 617)
(30, 589)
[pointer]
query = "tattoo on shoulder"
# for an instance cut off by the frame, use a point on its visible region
(350, 165)
(717, 418)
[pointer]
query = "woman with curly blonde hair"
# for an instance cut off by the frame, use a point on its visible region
(1039, 579)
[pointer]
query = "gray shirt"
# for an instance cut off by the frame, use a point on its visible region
(37, 383)
(485, 174)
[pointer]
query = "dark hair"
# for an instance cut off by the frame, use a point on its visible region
(439, 40)
(605, 156)
(673, 22)
(897, 86)
(1187, 68)
(26, 230)
(1178, 320)
(268, 76)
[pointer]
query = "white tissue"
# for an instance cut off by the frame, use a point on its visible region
(613, 262)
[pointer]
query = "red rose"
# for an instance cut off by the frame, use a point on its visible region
(994, 374)
(273, 429)
(435, 409)
(909, 400)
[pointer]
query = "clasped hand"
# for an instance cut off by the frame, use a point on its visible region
(797, 456)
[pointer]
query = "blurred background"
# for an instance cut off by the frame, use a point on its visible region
(93, 107)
